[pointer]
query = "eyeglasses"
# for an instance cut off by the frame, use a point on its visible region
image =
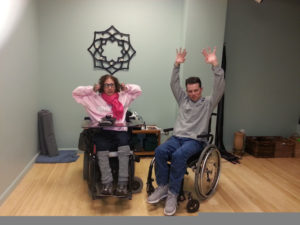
(109, 85)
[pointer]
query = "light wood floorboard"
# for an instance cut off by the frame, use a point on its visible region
(255, 185)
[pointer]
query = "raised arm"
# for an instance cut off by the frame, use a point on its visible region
(219, 82)
(131, 91)
(178, 92)
(81, 92)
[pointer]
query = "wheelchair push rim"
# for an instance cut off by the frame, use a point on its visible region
(207, 172)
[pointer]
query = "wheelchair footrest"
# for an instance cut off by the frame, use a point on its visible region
(99, 195)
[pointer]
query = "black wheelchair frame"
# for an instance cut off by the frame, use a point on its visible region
(92, 175)
(206, 165)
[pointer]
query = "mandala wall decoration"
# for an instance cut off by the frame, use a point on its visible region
(113, 36)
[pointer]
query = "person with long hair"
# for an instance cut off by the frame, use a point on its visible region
(109, 98)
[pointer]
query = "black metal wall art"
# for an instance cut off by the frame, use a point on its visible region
(101, 38)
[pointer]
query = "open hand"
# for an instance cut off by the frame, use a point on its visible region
(123, 87)
(96, 87)
(180, 57)
(210, 56)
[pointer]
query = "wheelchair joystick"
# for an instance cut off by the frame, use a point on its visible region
(108, 120)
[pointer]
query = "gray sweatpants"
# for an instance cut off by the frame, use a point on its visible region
(103, 161)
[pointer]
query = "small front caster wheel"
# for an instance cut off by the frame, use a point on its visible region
(137, 185)
(192, 205)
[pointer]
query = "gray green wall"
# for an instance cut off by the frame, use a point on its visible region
(204, 27)
(156, 29)
(67, 30)
(47, 57)
(263, 76)
(19, 98)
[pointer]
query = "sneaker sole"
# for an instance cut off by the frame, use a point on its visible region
(157, 200)
(170, 213)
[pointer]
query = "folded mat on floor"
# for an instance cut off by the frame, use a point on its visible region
(64, 156)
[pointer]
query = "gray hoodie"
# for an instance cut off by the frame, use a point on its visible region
(193, 117)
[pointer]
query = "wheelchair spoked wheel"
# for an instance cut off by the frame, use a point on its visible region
(207, 172)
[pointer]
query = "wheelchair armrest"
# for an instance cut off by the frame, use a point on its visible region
(205, 136)
(209, 137)
(167, 129)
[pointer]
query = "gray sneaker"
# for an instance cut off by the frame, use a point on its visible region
(160, 193)
(171, 204)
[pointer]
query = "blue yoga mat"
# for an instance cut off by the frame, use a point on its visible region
(64, 156)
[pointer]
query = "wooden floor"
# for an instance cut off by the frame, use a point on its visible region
(255, 185)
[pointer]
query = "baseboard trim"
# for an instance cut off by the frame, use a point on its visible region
(67, 149)
(16, 181)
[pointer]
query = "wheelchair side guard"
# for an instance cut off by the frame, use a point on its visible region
(93, 176)
(85, 165)
(131, 170)
(207, 172)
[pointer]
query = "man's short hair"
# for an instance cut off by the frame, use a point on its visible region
(193, 80)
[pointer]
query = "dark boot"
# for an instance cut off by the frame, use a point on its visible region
(107, 189)
(122, 189)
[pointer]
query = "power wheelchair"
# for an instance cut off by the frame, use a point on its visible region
(91, 171)
(206, 165)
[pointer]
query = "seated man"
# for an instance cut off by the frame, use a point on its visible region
(192, 120)
(109, 97)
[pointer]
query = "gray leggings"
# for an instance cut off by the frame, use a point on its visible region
(103, 161)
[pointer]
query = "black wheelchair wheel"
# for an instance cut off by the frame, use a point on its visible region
(137, 185)
(192, 205)
(207, 172)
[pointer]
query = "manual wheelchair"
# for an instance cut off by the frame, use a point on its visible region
(91, 172)
(206, 165)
